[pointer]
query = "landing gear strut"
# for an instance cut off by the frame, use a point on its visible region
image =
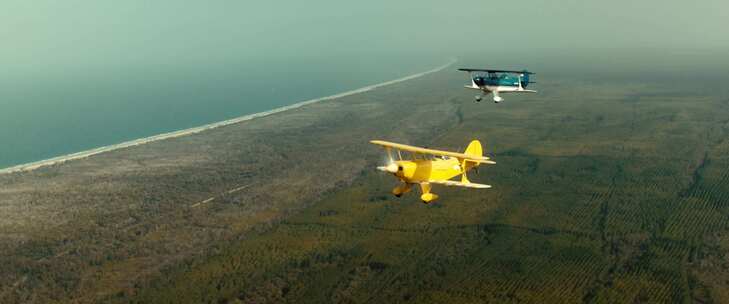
(427, 196)
(401, 189)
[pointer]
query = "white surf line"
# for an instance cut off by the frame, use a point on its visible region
(84, 154)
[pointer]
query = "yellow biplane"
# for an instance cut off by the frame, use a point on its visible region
(428, 167)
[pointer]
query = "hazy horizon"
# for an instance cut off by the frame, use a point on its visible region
(48, 35)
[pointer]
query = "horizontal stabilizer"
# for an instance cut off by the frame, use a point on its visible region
(451, 183)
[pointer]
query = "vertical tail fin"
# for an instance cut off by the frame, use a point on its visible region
(475, 149)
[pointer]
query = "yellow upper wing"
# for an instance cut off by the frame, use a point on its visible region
(461, 156)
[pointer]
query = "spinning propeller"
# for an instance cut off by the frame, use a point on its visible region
(391, 166)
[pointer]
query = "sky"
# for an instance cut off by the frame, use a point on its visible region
(49, 37)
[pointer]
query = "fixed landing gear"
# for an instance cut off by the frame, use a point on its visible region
(478, 98)
(400, 190)
(428, 197)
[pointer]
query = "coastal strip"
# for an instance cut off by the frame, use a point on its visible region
(174, 134)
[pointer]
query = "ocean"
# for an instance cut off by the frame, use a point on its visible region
(47, 116)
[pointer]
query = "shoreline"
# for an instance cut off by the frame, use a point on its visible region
(174, 134)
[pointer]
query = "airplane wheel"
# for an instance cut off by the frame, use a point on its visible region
(424, 202)
(398, 195)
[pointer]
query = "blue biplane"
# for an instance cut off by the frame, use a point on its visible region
(498, 81)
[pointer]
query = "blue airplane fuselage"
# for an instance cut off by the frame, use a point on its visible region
(501, 80)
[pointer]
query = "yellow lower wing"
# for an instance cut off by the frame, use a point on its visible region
(459, 184)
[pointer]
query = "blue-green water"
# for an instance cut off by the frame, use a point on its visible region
(44, 116)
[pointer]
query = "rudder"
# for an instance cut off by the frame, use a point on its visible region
(475, 149)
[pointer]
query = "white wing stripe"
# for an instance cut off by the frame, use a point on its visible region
(459, 184)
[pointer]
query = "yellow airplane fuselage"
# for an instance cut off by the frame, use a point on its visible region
(417, 171)
(422, 172)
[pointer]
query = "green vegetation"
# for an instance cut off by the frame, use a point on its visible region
(603, 193)
(606, 196)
